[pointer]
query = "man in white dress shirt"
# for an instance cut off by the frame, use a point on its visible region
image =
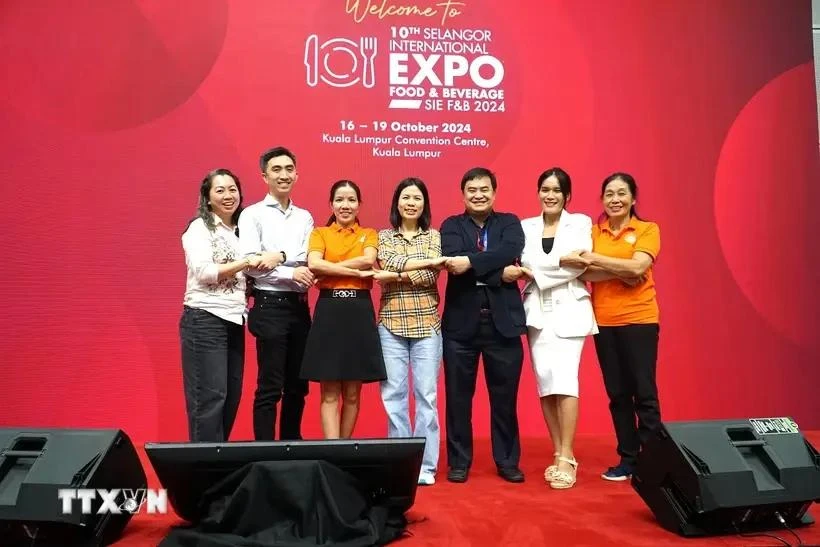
(277, 230)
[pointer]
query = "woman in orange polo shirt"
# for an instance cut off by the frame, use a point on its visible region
(343, 348)
(624, 248)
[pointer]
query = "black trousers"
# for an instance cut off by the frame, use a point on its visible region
(213, 359)
(280, 322)
(503, 358)
(628, 357)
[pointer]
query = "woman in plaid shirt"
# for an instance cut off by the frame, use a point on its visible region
(409, 323)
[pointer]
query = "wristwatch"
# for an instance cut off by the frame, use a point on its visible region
(284, 256)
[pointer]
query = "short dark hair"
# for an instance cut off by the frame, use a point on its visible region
(477, 173)
(426, 214)
(564, 181)
(341, 184)
(275, 153)
(629, 180)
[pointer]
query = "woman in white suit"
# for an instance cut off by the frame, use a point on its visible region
(559, 313)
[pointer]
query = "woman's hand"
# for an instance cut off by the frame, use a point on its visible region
(633, 281)
(438, 263)
(575, 259)
(253, 261)
(383, 276)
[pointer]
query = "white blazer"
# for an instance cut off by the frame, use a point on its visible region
(571, 302)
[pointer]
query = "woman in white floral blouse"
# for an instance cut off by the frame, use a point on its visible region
(212, 327)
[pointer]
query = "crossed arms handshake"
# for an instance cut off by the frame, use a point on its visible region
(594, 268)
(361, 267)
(456, 265)
(266, 261)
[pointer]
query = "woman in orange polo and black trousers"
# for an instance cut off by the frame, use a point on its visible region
(624, 248)
(343, 347)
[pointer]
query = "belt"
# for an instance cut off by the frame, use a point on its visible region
(344, 293)
(280, 296)
(484, 305)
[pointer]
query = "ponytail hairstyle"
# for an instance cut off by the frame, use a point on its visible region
(341, 184)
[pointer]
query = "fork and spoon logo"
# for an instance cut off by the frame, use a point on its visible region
(361, 54)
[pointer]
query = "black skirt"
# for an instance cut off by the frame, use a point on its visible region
(343, 343)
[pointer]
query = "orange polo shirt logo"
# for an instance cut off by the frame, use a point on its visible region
(616, 303)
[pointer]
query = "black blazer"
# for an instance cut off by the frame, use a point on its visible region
(462, 299)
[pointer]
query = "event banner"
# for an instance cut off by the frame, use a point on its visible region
(411, 80)
(440, 86)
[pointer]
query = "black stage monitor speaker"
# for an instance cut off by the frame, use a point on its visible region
(388, 469)
(36, 463)
(728, 477)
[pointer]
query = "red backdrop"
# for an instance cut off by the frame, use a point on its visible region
(114, 111)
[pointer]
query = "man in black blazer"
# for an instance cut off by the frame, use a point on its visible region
(483, 316)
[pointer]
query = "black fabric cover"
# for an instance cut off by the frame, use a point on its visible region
(285, 504)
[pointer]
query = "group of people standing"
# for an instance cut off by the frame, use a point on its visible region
(505, 278)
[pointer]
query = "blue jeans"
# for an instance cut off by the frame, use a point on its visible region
(423, 356)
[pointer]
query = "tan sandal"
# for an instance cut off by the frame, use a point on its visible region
(562, 479)
(549, 472)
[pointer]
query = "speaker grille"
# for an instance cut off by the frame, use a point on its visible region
(674, 495)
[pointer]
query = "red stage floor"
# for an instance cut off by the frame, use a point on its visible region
(488, 511)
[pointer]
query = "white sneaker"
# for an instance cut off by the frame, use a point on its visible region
(427, 479)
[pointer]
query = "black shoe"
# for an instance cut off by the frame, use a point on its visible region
(511, 474)
(621, 472)
(458, 474)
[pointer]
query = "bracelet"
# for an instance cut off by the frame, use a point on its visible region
(399, 276)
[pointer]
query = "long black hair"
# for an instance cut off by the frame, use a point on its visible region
(426, 214)
(341, 184)
(204, 210)
(564, 182)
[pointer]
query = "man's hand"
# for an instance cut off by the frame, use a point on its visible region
(269, 261)
(458, 265)
(511, 274)
(366, 273)
(303, 276)
(527, 273)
